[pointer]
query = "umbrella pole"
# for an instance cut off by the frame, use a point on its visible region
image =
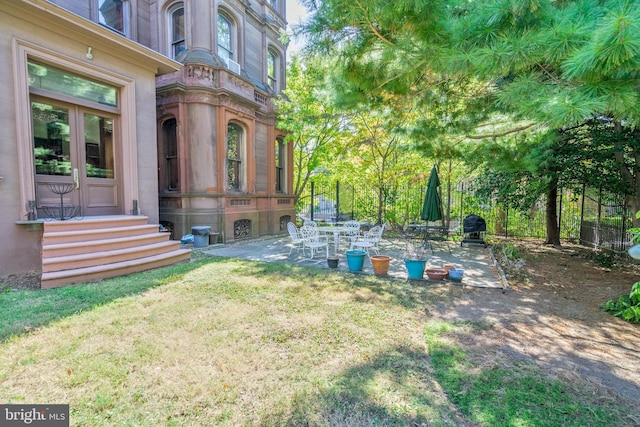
(427, 241)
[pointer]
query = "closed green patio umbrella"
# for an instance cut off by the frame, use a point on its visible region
(432, 205)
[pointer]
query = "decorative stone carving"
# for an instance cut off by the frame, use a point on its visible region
(200, 72)
(242, 228)
(239, 83)
(260, 98)
(284, 220)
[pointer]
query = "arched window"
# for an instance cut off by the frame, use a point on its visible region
(225, 38)
(176, 30)
(235, 155)
(272, 70)
(170, 154)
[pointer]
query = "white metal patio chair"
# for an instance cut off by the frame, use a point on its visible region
(351, 232)
(296, 239)
(311, 239)
(369, 240)
(379, 229)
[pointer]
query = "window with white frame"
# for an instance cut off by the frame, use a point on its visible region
(115, 14)
(235, 150)
(176, 30)
(225, 37)
(272, 69)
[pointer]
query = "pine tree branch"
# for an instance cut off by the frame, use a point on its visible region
(372, 27)
(500, 134)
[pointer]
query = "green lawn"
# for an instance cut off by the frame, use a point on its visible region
(231, 342)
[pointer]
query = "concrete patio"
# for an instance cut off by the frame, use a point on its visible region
(480, 268)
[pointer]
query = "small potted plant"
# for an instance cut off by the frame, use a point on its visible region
(332, 261)
(415, 260)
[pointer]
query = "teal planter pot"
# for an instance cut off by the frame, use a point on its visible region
(456, 274)
(355, 260)
(415, 268)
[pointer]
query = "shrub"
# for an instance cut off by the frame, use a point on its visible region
(626, 307)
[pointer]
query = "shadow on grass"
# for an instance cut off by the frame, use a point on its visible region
(393, 389)
(26, 310)
(401, 292)
(511, 392)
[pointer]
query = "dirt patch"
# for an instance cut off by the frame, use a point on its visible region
(29, 280)
(551, 316)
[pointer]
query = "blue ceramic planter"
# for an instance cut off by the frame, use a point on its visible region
(355, 260)
(456, 274)
(415, 268)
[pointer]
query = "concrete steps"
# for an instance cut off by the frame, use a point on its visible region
(96, 248)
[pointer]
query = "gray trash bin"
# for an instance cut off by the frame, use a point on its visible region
(200, 235)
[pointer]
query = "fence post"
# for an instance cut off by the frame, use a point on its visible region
(337, 201)
(584, 189)
(313, 196)
(506, 223)
(599, 217)
(623, 229)
(353, 201)
(461, 201)
(560, 215)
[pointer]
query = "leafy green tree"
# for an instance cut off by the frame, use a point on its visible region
(374, 147)
(313, 124)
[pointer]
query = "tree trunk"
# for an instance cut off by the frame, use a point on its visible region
(553, 229)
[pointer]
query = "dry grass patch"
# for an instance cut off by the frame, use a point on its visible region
(237, 343)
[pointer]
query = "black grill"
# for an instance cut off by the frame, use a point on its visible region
(474, 224)
(474, 228)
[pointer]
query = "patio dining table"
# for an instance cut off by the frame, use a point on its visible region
(335, 230)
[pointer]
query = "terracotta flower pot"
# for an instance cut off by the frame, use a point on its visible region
(436, 274)
(380, 264)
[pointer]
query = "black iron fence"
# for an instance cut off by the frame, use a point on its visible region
(590, 218)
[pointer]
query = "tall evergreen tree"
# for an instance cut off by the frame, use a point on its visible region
(546, 65)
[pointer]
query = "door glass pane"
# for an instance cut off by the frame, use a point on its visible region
(98, 138)
(51, 146)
